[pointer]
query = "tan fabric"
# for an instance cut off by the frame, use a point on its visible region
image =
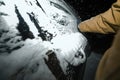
(107, 22)
(109, 66)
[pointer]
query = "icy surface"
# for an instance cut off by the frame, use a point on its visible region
(29, 29)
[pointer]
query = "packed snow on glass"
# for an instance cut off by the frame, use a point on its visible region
(31, 28)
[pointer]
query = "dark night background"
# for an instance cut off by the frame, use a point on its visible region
(88, 8)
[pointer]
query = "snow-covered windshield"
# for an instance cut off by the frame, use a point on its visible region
(31, 28)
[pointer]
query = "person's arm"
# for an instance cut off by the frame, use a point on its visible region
(107, 22)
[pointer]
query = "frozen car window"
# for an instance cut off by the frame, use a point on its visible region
(35, 35)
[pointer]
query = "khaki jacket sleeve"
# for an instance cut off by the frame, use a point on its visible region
(107, 22)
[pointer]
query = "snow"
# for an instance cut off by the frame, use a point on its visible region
(24, 59)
